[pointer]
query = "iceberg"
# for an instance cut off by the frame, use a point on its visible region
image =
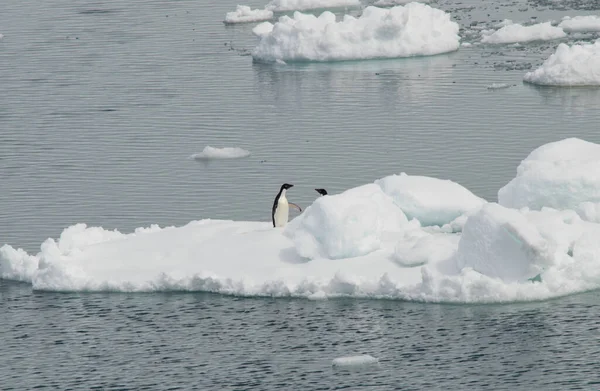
(303, 5)
(538, 242)
(413, 30)
(580, 24)
(354, 361)
(576, 65)
(515, 33)
(244, 14)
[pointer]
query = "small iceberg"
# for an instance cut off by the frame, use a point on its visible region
(497, 86)
(303, 5)
(580, 24)
(244, 14)
(413, 30)
(354, 361)
(517, 33)
(211, 153)
(576, 65)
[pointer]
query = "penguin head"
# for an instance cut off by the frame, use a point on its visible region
(321, 191)
(286, 186)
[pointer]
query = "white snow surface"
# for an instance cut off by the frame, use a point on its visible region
(559, 175)
(513, 33)
(244, 14)
(576, 65)
(540, 241)
(303, 5)
(402, 31)
(210, 153)
(580, 24)
(432, 201)
(352, 361)
(262, 29)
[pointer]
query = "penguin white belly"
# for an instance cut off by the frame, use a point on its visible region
(282, 212)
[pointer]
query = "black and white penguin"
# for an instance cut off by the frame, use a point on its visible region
(323, 192)
(281, 207)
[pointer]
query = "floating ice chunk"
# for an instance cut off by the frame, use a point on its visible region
(392, 3)
(466, 44)
(513, 33)
(432, 201)
(346, 225)
(303, 5)
(16, 264)
(353, 361)
(577, 65)
(262, 29)
(210, 153)
(500, 243)
(559, 175)
(580, 24)
(413, 30)
(497, 86)
(244, 14)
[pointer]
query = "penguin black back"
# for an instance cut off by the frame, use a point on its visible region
(323, 192)
(285, 186)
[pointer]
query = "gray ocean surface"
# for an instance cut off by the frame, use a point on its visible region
(102, 103)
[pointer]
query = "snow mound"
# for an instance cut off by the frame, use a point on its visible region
(413, 30)
(432, 201)
(559, 175)
(577, 65)
(210, 153)
(500, 242)
(346, 225)
(244, 14)
(580, 24)
(353, 361)
(303, 5)
(513, 33)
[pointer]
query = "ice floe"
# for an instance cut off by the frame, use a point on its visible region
(354, 361)
(576, 65)
(540, 241)
(244, 14)
(514, 33)
(210, 153)
(402, 31)
(580, 24)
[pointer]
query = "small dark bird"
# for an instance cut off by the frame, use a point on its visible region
(323, 192)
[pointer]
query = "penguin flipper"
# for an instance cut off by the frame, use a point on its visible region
(295, 206)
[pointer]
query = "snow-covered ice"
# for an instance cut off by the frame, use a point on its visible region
(262, 29)
(303, 5)
(558, 175)
(432, 201)
(540, 241)
(210, 153)
(402, 31)
(497, 86)
(580, 24)
(353, 361)
(576, 65)
(244, 14)
(513, 33)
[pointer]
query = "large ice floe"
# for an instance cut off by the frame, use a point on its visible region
(303, 5)
(539, 241)
(576, 65)
(245, 14)
(402, 31)
(516, 33)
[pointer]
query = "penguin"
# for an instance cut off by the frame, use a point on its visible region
(323, 192)
(281, 207)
